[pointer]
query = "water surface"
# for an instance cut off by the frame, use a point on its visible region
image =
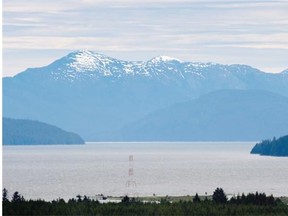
(65, 171)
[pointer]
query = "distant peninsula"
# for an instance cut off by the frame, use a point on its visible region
(29, 132)
(275, 147)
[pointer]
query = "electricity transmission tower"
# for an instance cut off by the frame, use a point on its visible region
(131, 183)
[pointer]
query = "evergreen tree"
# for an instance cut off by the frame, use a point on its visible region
(196, 198)
(219, 196)
(17, 197)
(79, 198)
(126, 199)
(5, 195)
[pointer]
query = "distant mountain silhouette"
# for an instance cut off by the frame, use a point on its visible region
(27, 132)
(95, 95)
(222, 115)
(275, 147)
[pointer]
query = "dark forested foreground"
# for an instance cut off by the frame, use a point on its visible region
(251, 204)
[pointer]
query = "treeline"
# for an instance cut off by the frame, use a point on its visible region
(251, 204)
(274, 147)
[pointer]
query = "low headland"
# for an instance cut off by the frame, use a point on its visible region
(274, 147)
(216, 204)
(30, 132)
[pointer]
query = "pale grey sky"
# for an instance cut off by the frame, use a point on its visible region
(253, 32)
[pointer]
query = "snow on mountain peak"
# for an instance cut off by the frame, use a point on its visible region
(85, 60)
(159, 59)
(82, 64)
(82, 52)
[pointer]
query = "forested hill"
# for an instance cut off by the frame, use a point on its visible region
(28, 132)
(275, 147)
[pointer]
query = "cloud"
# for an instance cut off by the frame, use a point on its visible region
(131, 26)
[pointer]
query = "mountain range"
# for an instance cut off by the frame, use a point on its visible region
(223, 115)
(102, 98)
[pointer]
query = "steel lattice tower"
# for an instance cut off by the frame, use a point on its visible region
(131, 183)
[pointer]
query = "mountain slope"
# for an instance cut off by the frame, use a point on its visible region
(27, 132)
(95, 95)
(223, 115)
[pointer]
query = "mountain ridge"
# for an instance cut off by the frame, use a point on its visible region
(88, 61)
(223, 115)
(104, 94)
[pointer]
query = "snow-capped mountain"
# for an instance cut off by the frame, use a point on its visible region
(94, 95)
(85, 64)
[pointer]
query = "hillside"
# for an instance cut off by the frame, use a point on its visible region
(275, 147)
(223, 115)
(27, 132)
(95, 95)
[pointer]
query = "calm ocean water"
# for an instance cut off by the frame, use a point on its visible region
(50, 172)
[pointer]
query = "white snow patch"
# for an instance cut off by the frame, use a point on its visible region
(164, 59)
(85, 60)
(128, 68)
(201, 65)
